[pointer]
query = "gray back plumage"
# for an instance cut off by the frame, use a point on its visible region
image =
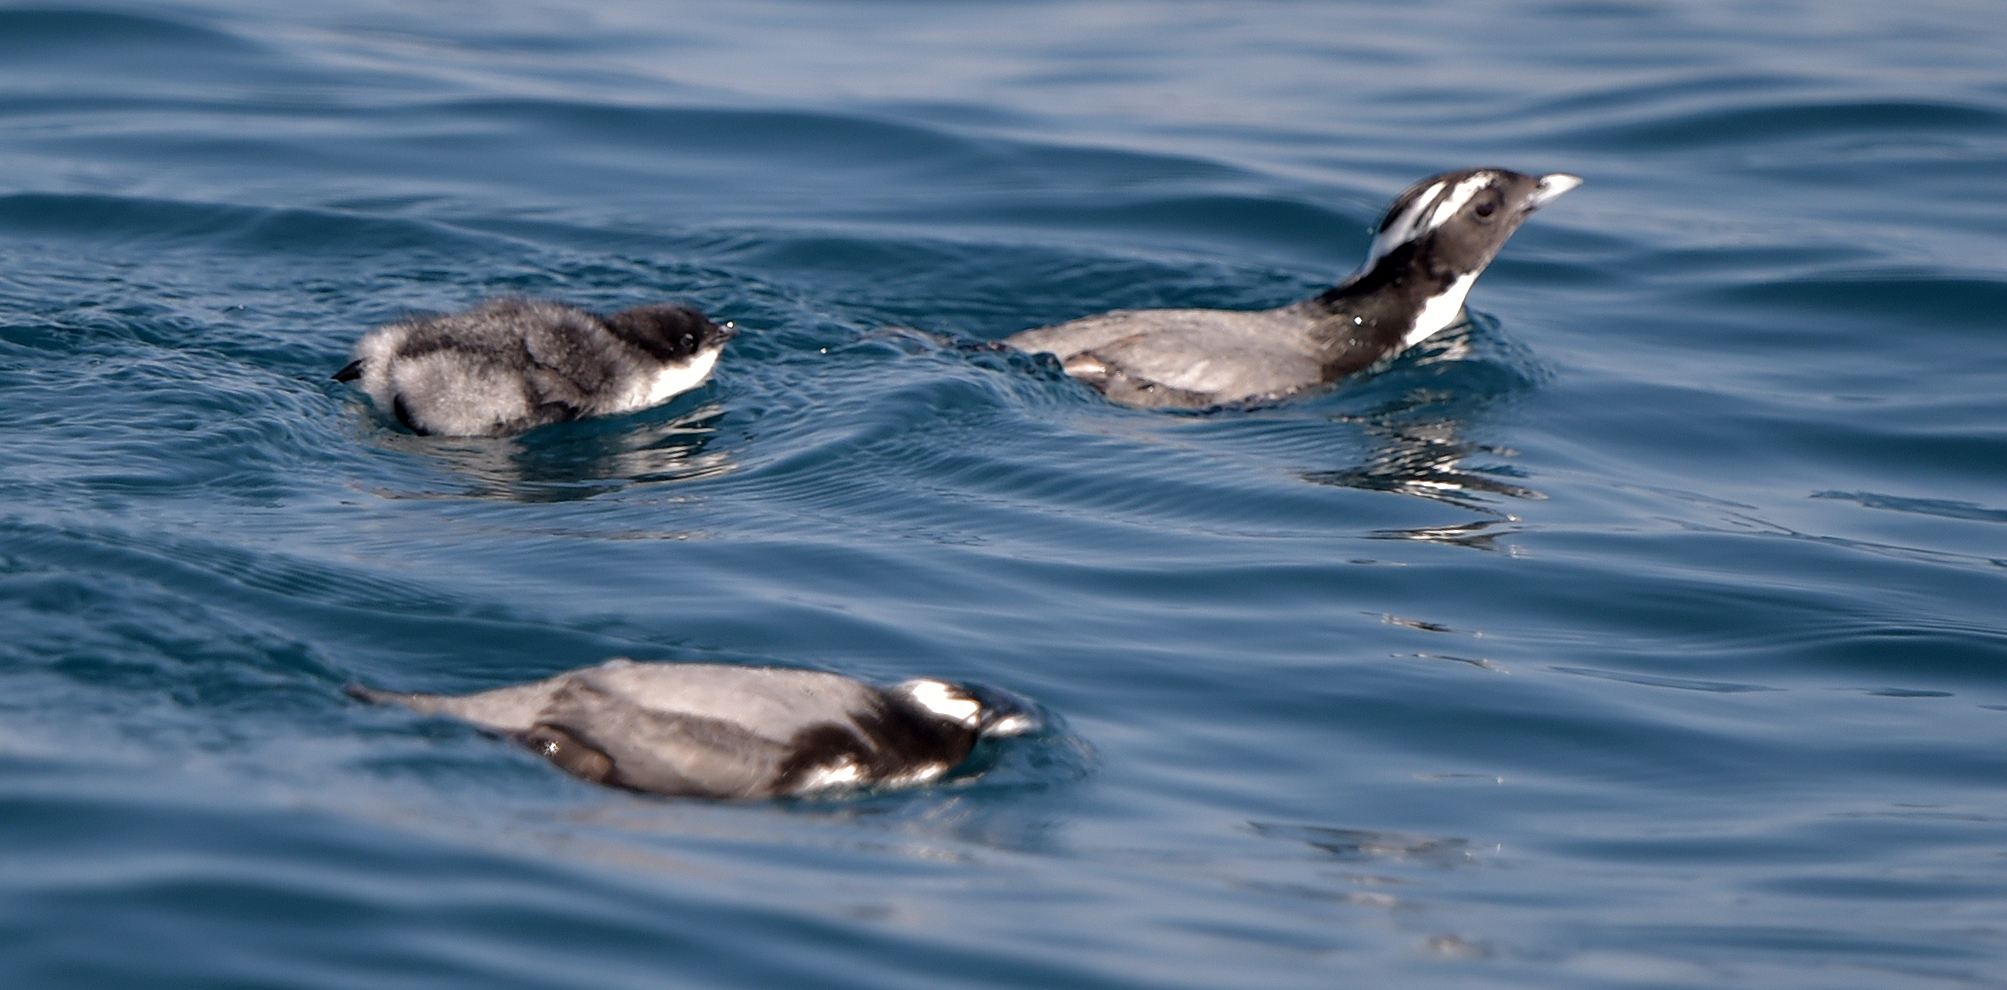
(1430, 246)
(724, 731)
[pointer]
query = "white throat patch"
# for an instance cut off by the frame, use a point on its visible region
(670, 381)
(1439, 313)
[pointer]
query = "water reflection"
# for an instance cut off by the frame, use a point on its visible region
(570, 461)
(1414, 430)
(1354, 845)
(1481, 535)
(1426, 458)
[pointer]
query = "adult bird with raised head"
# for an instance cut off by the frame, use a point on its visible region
(511, 364)
(1428, 250)
(720, 731)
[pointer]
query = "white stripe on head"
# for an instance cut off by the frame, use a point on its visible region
(945, 700)
(1429, 209)
(1457, 198)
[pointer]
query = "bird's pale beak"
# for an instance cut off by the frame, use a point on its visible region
(1551, 186)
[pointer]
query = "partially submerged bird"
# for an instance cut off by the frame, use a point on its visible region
(720, 731)
(510, 364)
(1430, 247)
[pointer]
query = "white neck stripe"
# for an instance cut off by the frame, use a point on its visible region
(1440, 312)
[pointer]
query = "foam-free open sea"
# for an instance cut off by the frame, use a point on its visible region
(1649, 632)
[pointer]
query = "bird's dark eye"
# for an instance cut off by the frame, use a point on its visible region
(1485, 209)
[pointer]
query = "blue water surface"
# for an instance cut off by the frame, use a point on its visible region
(1646, 632)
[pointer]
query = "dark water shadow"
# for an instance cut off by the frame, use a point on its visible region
(1742, 523)
(1941, 508)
